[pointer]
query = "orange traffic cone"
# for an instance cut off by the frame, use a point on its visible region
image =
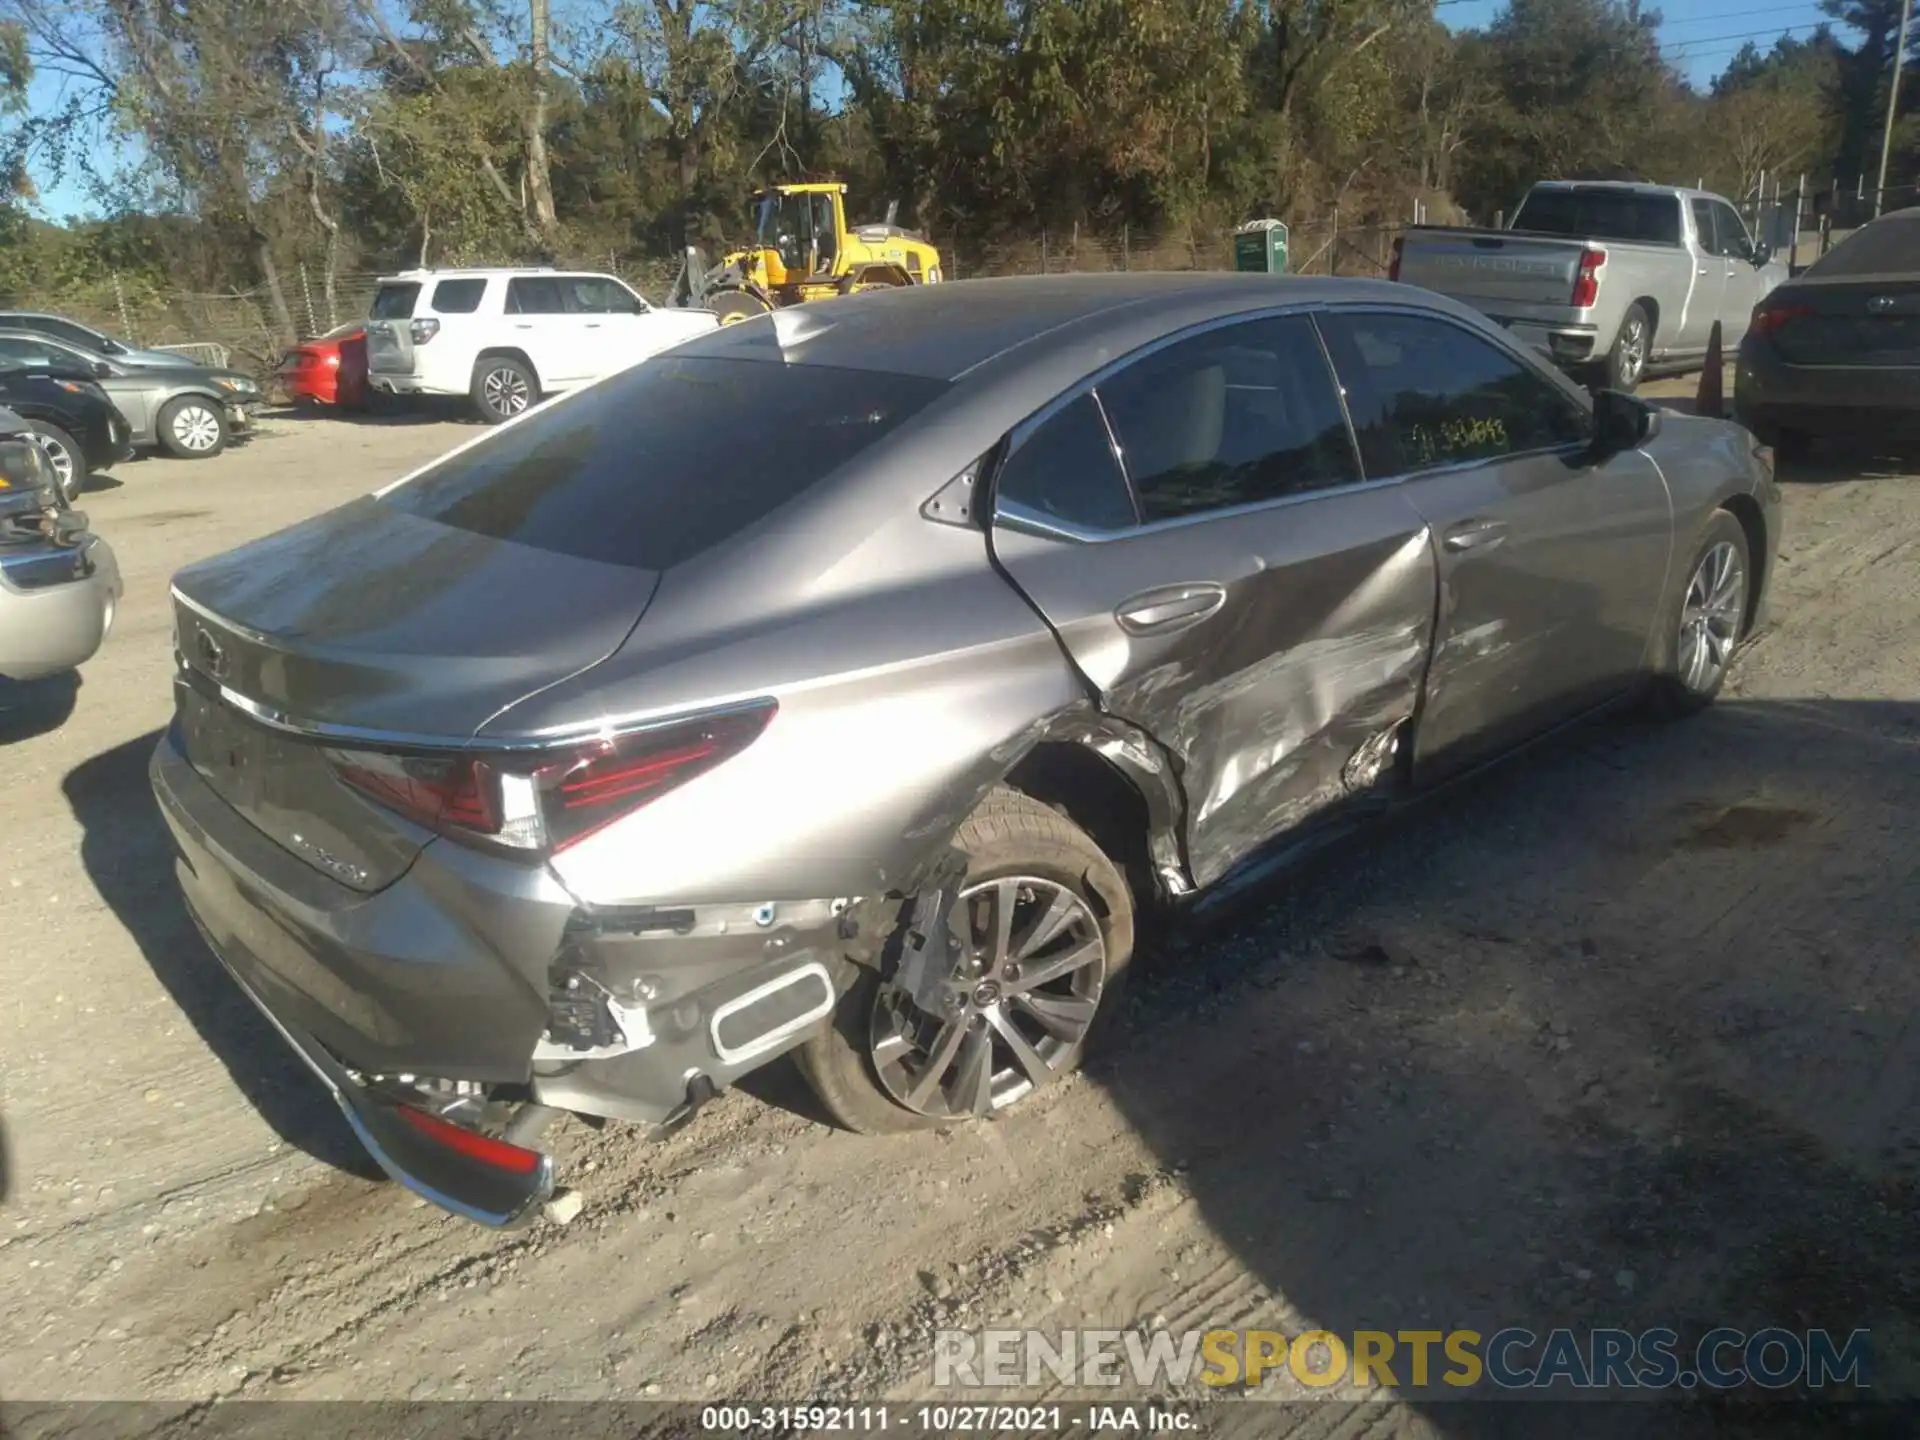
(1710, 400)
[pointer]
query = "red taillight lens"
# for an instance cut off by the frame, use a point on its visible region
(1586, 285)
(1393, 266)
(541, 802)
(484, 1148)
(1768, 319)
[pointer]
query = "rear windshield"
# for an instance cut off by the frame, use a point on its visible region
(1601, 215)
(1886, 247)
(394, 302)
(667, 459)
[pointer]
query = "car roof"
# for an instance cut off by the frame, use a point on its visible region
(947, 331)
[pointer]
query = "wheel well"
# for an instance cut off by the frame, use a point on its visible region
(1093, 794)
(1746, 510)
(507, 352)
(1652, 307)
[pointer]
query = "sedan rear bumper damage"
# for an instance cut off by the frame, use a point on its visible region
(420, 1022)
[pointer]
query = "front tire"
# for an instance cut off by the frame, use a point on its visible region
(503, 387)
(1045, 922)
(734, 306)
(192, 428)
(1627, 360)
(1704, 622)
(69, 461)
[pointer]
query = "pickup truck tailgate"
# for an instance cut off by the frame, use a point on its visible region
(1489, 271)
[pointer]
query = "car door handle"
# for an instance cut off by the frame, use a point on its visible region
(1475, 535)
(593, 324)
(1171, 607)
(523, 325)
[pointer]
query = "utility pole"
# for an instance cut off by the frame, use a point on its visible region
(1893, 106)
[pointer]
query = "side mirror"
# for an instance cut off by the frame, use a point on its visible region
(1622, 422)
(102, 370)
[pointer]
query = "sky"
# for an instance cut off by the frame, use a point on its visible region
(1698, 36)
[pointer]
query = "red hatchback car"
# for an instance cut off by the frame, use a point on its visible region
(329, 370)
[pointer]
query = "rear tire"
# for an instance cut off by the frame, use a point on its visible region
(69, 461)
(503, 387)
(1627, 360)
(193, 428)
(1051, 868)
(1707, 611)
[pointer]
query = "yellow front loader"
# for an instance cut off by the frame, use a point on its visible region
(804, 250)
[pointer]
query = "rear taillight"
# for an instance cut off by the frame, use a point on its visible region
(1586, 284)
(475, 1146)
(1393, 266)
(541, 802)
(1769, 318)
(423, 330)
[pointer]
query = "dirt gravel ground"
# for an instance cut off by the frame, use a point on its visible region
(1620, 1035)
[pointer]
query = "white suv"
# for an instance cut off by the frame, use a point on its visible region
(508, 337)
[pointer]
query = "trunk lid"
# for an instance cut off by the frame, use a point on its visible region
(1492, 268)
(364, 625)
(1849, 320)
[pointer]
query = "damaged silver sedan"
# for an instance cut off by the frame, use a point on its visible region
(849, 681)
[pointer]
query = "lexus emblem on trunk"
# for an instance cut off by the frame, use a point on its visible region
(210, 652)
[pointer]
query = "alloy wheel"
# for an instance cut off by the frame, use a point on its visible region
(196, 428)
(61, 459)
(1013, 1013)
(1711, 616)
(506, 391)
(1633, 351)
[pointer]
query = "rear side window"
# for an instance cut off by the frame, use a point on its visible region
(1066, 470)
(531, 295)
(1887, 246)
(1236, 416)
(1601, 215)
(394, 302)
(654, 466)
(458, 297)
(597, 295)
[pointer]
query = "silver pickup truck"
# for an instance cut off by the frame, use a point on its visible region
(1613, 281)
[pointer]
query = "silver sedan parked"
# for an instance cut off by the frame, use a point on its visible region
(186, 410)
(853, 678)
(59, 584)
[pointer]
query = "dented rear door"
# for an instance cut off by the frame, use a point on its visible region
(1196, 532)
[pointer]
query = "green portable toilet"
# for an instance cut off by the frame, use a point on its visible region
(1261, 247)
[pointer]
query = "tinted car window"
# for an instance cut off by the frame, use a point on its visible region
(458, 297)
(541, 296)
(653, 466)
(65, 330)
(1066, 470)
(1889, 246)
(1235, 416)
(1601, 215)
(14, 351)
(597, 295)
(1425, 392)
(394, 302)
